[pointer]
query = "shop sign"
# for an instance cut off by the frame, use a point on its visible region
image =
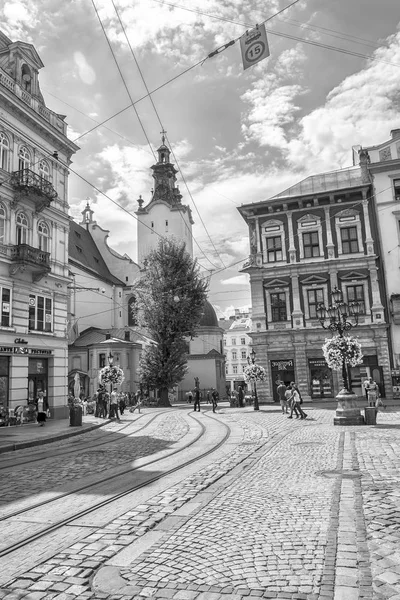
(396, 373)
(24, 350)
(317, 362)
(282, 365)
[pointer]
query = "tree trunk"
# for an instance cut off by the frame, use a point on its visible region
(163, 399)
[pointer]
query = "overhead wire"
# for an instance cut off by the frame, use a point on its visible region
(164, 132)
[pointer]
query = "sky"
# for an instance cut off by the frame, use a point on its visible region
(237, 136)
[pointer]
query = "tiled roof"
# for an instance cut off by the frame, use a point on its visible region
(93, 335)
(324, 182)
(83, 250)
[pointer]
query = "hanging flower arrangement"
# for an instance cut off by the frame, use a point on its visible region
(342, 349)
(254, 373)
(112, 374)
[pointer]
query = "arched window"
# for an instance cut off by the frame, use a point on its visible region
(44, 170)
(4, 151)
(132, 312)
(26, 77)
(22, 228)
(24, 158)
(44, 235)
(2, 224)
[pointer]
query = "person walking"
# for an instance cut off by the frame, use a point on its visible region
(282, 397)
(196, 404)
(122, 404)
(41, 409)
(114, 405)
(240, 396)
(214, 399)
(373, 392)
(296, 400)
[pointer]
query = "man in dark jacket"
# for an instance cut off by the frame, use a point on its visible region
(196, 399)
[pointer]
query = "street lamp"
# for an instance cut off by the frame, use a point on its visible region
(110, 358)
(338, 313)
(251, 361)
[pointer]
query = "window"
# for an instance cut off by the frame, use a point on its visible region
(355, 293)
(314, 297)
(396, 187)
(235, 369)
(40, 313)
(244, 354)
(224, 341)
(233, 341)
(166, 225)
(79, 249)
(243, 368)
(2, 224)
(5, 307)
(43, 234)
(274, 248)
(4, 151)
(226, 369)
(102, 361)
(234, 355)
(243, 341)
(24, 158)
(22, 228)
(311, 244)
(278, 306)
(349, 240)
(44, 170)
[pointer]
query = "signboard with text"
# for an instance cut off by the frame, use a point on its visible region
(254, 46)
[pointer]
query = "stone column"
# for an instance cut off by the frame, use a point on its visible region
(377, 307)
(369, 242)
(297, 314)
(292, 246)
(329, 242)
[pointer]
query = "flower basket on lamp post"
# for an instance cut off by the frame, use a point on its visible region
(341, 352)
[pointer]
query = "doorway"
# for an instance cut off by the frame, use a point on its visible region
(281, 370)
(37, 379)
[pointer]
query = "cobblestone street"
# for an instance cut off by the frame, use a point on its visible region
(288, 509)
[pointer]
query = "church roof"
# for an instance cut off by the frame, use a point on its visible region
(209, 318)
(323, 182)
(83, 251)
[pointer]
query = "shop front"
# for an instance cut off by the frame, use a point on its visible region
(4, 381)
(281, 370)
(321, 384)
(368, 368)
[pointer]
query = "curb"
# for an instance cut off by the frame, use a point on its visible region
(49, 440)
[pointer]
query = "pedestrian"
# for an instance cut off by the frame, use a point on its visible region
(214, 396)
(84, 407)
(41, 409)
(189, 397)
(114, 405)
(208, 396)
(282, 397)
(196, 404)
(122, 404)
(240, 396)
(296, 401)
(373, 393)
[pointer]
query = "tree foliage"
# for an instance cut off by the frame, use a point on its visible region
(170, 296)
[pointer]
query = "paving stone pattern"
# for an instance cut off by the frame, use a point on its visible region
(28, 480)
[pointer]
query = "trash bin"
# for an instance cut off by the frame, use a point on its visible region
(370, 415)
(75, 415)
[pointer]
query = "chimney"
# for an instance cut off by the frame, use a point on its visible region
(127, 336)
(395, 134)
(108, 336)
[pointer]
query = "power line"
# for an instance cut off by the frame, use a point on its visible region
(162, 127)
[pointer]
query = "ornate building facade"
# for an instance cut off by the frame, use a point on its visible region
(34, 156)
(314, 236)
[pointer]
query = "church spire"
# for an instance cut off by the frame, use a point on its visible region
(164, 175)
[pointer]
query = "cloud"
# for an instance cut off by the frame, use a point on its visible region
(85, 71)
(238, 280)
(18, 17)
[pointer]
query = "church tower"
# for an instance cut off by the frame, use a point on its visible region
(164, 215)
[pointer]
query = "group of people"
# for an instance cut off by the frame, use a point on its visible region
(290, 398)
(109, 405)
(373, 393)
(212, 397)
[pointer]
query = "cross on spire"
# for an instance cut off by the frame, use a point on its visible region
(163, 132)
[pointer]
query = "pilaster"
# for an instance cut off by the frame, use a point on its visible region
(369, 242)
(292, 247)
(329, 242)
(377, 307)
(297, 314)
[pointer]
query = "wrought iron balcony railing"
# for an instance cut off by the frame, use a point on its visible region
(25, 257)
(30, 184)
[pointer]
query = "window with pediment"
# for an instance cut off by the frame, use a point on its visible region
(44, 236)
(4, 151)
(24, 158)
(273, 241)
(348, 232)
(310, 237)
(314, 292)
(22, 228)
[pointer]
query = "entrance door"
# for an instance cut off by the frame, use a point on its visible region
(281, 370)
(37, 378)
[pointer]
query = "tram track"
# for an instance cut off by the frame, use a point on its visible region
(13, 463)
(53, 527)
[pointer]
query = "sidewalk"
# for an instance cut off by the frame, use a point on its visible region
(18, 437)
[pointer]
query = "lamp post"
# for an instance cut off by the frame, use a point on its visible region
(110, 359)
(251, 361)
(338, 313)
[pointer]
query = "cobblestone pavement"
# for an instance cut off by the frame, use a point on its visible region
(20, 482)
(298, 510)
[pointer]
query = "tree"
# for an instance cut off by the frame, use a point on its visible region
(170, 299)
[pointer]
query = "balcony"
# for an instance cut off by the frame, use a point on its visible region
(25, 258)
(28, 184)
